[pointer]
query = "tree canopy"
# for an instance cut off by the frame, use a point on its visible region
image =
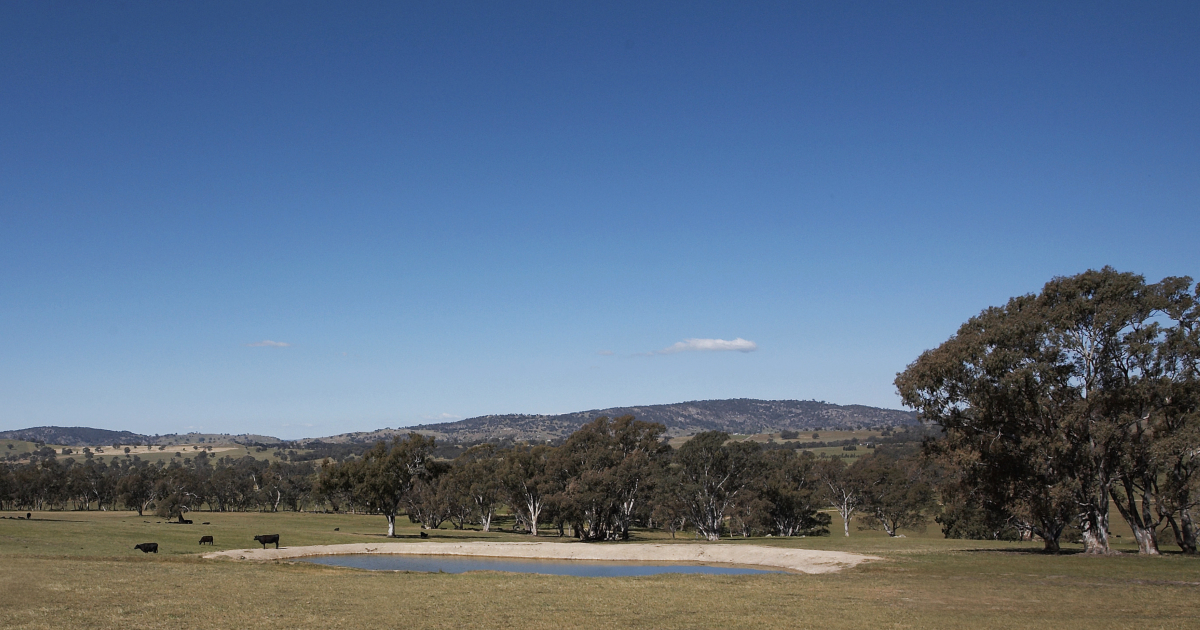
(1061, 403)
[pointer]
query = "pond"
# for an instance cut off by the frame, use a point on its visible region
(577, 568)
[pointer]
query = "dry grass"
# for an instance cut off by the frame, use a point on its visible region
(152, 454)
(79, 570)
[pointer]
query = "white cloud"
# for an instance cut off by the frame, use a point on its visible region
(606, 353)
(267, 343)
(443, 416)
(709, 345)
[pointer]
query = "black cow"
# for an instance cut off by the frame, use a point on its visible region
(206, 539)
(147, 547)
(267, 539)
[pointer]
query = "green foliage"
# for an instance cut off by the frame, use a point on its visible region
(382, 479)
(1069, 399)
(709, 474)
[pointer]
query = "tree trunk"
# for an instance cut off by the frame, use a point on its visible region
(535, 510)
(1141, 522)
(1094, 523)
(1185, 531)
(391, 519)
(846, 510)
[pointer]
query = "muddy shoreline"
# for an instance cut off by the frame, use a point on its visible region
(799, 560)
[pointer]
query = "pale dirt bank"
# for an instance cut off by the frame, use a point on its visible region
(802, 560)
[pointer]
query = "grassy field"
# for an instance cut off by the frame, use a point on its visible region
(152, 454)
(77, 569)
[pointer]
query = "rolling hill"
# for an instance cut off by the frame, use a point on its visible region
(741, 415)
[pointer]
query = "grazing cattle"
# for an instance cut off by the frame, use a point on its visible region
(206, 539)
(267, 539)
(147, 547)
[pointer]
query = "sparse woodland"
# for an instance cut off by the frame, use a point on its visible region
(1048, 412)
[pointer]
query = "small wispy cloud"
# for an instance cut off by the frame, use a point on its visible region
(709, 345)
(267, 343)
(606, 353)
(443, 416)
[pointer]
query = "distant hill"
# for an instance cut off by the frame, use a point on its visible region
(740, 415)
(74, 436)
(87, 436)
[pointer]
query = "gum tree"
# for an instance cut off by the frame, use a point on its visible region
(1064, 398)
(710, 472)
(383, 477)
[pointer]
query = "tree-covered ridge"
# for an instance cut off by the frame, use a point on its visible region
(74, 436)
(735, 416)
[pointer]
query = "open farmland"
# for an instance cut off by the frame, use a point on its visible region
(78, 569)
(21, 451)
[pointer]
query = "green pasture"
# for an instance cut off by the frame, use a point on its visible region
(79, 569)
(17, 447)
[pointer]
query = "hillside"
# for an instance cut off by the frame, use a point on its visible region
(741, 415)
(73, 436)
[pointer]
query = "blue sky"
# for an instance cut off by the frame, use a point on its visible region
(453, 209)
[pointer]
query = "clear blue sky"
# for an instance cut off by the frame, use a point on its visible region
(454, 209)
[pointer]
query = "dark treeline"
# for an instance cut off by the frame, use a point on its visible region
(613, 475)
(169, 490)
(604, 480)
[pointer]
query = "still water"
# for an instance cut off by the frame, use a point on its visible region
(462, 564)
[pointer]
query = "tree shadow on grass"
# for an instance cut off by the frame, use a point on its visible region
(1024, 552)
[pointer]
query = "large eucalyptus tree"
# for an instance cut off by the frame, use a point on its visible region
(1073, 399)
(382, 478)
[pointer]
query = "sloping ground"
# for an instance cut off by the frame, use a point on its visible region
(801, 560)
(74, 436)
(740, 415)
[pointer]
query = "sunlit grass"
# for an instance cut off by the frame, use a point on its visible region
(78, 569)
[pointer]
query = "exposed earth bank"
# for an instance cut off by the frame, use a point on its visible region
(801, 560)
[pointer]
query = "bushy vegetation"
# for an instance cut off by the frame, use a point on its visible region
(1058, 406)
(605, 479)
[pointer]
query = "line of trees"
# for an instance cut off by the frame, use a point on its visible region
(607, 478)
(614, 474)
(169, 490)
